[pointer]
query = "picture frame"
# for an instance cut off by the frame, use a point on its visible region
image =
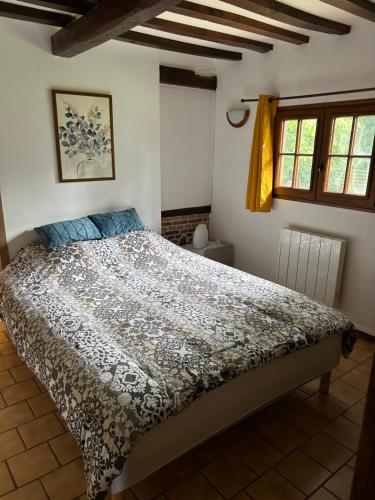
(83, 124)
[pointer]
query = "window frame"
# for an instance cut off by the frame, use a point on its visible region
(325, 113)
(299, 114)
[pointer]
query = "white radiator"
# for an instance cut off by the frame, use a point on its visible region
(311, 264)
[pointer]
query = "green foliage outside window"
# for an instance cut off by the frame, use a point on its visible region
(299, 139)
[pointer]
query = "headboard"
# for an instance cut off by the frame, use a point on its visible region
(4, 253)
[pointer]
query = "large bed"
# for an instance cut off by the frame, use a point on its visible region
(147, 349)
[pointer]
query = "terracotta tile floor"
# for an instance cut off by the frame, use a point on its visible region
(303, 446)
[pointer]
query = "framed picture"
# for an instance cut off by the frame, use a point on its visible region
(84, 136)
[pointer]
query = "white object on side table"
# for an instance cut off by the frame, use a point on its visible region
(214, 250)
(200, 236)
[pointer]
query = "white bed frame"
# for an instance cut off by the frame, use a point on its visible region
(225, 406)
(220, 408)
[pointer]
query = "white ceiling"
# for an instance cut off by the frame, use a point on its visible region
(312, 6)
(316, 7)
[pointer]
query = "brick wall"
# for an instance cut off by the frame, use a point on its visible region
(180, 228)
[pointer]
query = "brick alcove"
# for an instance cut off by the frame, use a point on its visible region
(178, 225)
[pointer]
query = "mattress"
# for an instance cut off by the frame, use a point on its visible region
(224, 407)
(128, 331)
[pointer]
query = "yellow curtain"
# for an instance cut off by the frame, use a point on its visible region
(259, 184)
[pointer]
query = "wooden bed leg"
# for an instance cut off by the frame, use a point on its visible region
(325, 380)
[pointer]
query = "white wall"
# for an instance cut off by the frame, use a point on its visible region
(326, 63)
(29, 187)
(28, 171)
(186, 146)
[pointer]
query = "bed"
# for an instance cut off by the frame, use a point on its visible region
(148, 349)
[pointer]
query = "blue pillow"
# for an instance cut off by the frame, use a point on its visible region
(113, 223)
(61, 233)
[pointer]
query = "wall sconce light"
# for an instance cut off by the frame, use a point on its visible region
(238, 117)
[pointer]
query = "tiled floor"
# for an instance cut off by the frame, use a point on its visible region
(303, 446)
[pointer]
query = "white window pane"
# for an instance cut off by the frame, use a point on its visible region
(308, 133)
(286, 171)
(359, 176)
(336, 175)
(341, 135)
(290, 136)
(364, 135)
(304, 172)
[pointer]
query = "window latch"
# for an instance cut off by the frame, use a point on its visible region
(321, 167)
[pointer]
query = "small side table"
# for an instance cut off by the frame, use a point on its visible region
(221, 252)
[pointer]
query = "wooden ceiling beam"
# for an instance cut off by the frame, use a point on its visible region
(290, 15)
(240, 22)
(23, 13)
(209, 35)
(72, 6)
(108, 19)
(361, 8)
(186, 78)
(16, 11)
(156, 42)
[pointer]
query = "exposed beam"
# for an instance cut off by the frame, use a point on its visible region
(50, 18)
(16, 11)
(240, 22)
(361, 8)
(206, 209)
(290, 15)
(177, 46)
(186, 78)
(73, 6)
(209, 35)
(108, 19)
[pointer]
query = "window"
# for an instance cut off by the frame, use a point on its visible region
(349, 155)
(326, 154)
(297, 152)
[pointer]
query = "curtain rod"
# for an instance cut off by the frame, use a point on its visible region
(306, 96)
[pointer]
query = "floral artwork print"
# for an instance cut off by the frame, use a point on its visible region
(128, 331)
(84, 136)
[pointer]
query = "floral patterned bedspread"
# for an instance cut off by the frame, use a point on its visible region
(127, 331)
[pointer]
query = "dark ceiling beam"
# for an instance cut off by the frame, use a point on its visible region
(240, 22)
(205, 34)
(72, 6)
(108, 19)
(16, 11)
(361, 8)
(22, 13)
(186, 78)
(290, 15)
(176, 46)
